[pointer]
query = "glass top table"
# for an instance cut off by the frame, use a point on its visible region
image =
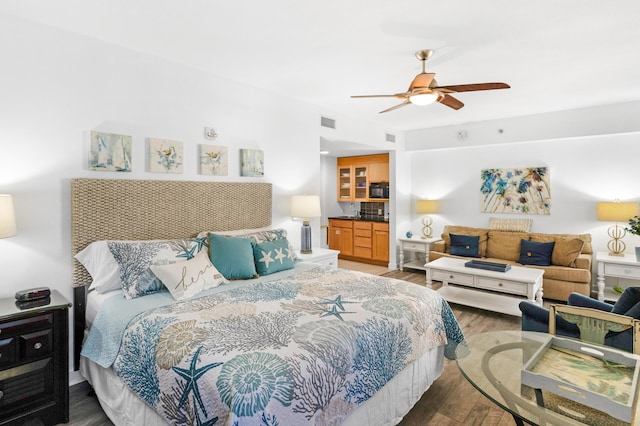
(492, 363)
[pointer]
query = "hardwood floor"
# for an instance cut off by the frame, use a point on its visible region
(451, 400)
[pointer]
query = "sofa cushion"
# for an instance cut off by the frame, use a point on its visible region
(505, 245)
(535, 253)
(466, 230)
(465, 245)
(566, 250)
(562, 273)
(586, 238)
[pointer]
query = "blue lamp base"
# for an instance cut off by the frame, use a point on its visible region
(305, 238)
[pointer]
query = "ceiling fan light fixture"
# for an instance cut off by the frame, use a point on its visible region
(423, 99)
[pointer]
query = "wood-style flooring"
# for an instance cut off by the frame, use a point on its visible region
(451, 400)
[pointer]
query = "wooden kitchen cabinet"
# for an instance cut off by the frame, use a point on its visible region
(380, 242)
(341, 236)
(360, 240)
(355, 174)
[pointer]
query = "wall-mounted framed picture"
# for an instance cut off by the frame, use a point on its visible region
(214, 160)
(519, 190)
(165, 156)
(251, 162)
(110, 152)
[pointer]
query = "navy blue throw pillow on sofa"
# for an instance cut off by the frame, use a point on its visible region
(534, 253)
(465, 245)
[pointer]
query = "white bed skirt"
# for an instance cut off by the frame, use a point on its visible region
(387, 407)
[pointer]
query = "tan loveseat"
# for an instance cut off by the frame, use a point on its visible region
(570, 269)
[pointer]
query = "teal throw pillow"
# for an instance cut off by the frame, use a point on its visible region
(534, 253)
(465, 245)
(232, 257)
(272, 256)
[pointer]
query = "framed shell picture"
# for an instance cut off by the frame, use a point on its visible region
(523, 190)
(165, 156)
(251, 162)
(214, 160)
(110, 152)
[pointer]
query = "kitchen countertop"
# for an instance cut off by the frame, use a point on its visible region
(362, 218)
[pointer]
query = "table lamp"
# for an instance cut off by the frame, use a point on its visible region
(616, 212)
(305, 207)
(426, 207)
(7, 217)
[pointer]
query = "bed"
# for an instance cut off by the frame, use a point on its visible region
(296, 344)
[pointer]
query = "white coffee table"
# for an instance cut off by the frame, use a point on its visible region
(484, 289)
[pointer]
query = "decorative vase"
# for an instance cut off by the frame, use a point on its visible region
(638, 254)
(410, 234)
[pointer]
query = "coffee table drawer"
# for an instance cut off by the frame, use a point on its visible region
(622, 270)
(503, 286)
(454, 277)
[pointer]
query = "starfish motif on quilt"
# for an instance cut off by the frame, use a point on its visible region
(192, 375)
(199, 422)
(334, 311)
(266, 258)
(336, 302)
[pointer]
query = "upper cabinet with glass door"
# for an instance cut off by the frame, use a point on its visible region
(355, 174)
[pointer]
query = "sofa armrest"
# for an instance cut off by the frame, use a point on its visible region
(439, 246)
(583, 261)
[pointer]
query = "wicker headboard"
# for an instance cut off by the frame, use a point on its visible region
(103, 209)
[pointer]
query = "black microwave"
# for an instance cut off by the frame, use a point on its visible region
(379, 190)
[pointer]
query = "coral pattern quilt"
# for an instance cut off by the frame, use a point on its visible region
(305, 349)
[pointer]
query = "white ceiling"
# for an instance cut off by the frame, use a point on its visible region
(555, 54)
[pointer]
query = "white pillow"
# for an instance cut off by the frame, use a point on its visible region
(186, 279)
(104, 270)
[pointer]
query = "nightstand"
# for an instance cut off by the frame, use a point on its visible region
(322, 256)
(421, 246)
(34, 361)
(625, 266)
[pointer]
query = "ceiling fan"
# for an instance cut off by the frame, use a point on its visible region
(424, 89)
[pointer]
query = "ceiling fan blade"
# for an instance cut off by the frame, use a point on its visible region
(471, 87)
(450, 101)
(396, 95)
(397, 106)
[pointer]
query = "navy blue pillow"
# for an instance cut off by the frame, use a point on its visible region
(534, 253)
(465, 245)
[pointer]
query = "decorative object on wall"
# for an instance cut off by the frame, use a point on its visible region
(214, 160)
(7, 217)
(165, 156)
(524, 190)
(616, 211)
(110, 152)
(210, 133)
(251, 162)
(305, 207)
(426, 207)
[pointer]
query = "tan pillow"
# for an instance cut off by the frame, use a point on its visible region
(565, 251)
(505, 244)
(465, 230)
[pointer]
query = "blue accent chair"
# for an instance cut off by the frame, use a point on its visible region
(536, 318)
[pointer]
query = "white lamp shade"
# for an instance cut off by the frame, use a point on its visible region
(305, 206)
(616, 211)
(7, 217)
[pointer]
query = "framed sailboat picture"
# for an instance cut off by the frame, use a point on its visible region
(110, 152)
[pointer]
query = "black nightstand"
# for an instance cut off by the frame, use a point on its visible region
(34, 361)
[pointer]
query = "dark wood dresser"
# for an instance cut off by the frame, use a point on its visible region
(34, 361)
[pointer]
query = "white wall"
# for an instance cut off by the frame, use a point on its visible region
(56, 87)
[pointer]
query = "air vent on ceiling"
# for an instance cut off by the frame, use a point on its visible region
(391, 138)
(327, 122)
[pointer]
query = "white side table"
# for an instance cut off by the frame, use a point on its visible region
(322, 256)
(615, 266)
(421, 246)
